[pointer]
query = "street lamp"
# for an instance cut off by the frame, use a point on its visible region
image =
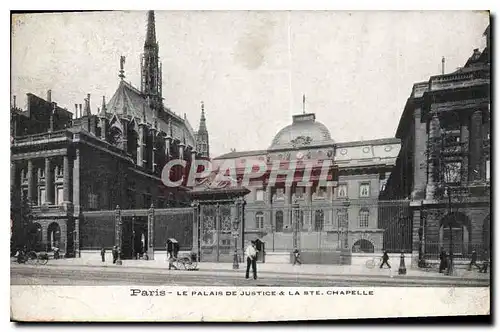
(295, 208)
(236, 227)
(450, 262)
(346, 203)
(133, 238)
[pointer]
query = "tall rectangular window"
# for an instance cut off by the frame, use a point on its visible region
(299, 192)
(42, 196)
(342, 190)
(364, 190)
(60, 196)
(280, 194)
(92, 201)
(259, 195)
(364, 215)
(451, 172)
(487, 170)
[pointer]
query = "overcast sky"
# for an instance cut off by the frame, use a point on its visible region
(250, 68)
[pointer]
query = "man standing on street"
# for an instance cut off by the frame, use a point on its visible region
(385, 260)
(442, 260)
(251, 254)
(473, 261)
(103, 254)
(115, 254)
(296, 257)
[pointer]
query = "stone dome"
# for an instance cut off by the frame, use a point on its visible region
(304, 130)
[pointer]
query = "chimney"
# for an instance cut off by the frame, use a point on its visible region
(14, 101)
(76, 111)
(49, 96)
(442, 66)
(80, 107)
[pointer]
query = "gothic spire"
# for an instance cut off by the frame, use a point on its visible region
(103, 106)
(203, 126)
(150, 64)
(151, 32)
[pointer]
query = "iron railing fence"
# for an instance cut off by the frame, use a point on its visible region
(357, 225)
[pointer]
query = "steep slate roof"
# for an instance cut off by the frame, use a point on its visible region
(129, 98)
(236, 154)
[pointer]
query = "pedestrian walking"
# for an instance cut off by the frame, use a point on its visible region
(473, 261)
(115, 254)
(385, 260)
(486, 262)
(103, 254)
(251, 255)
(442, 260)
(296, 257)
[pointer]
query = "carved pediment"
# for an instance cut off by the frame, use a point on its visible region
(215, 181)
(301, 140)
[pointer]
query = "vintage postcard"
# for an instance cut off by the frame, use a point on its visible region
(177, 166)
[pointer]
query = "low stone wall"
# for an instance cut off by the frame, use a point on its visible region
(335, 257)
(394, 259)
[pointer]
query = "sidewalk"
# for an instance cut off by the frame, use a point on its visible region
(277, 268)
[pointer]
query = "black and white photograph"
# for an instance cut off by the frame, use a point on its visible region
(250, 152)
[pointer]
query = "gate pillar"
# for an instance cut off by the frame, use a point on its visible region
(196, 228)
(151, 222)
(118, 227)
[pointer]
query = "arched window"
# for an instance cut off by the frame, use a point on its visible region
(259, 220)
(364, 216)
(342, 218)
(319, 219)
(363, 246)
(279, 221)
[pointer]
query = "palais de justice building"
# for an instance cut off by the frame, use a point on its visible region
(319, 217)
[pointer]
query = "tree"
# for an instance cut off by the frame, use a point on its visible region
(22, 220)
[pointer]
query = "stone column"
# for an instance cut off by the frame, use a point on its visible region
(153, 151)
(76, 182)
(13, 175)
(49, 183)
(30, 181)
(104, 128)
(417, 220)
(118, 227)
(151, 227)
(196, 223)
(419, 171)
(287, 211)
(464, 139)
(181, 150)
(193, 157)
(307, 212)
(63, 245)
(268, 223)
(77, 238)
(475, 146)
(140, 146)
(66, 172)
(168, 141)
(434, 133)
(45, 239)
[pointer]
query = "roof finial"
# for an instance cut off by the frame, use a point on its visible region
(442, 65)
(304, 103)
(170, 129)
(122, 71)
(103, 107)
(151, 30)
(203, 126)
(87, 106)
